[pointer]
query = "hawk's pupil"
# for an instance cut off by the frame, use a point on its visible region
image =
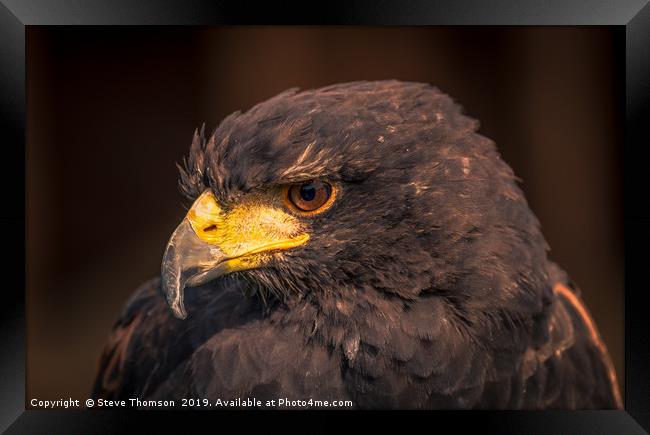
(308, 192)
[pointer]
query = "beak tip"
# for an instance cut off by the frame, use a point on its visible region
(172, 290)
(174, 296)
(179, 311)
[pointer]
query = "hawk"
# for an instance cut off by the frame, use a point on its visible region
(357, 242)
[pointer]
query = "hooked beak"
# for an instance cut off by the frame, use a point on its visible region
(188, 261)
(210, 243)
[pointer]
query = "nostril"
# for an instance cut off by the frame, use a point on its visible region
(210, 228)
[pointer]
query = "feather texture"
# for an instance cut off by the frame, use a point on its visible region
(425, 285)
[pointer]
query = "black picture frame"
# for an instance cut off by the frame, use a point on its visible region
(15, 15)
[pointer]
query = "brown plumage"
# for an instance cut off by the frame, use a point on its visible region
(425, 284)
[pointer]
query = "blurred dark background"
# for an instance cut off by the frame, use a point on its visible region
(111, 109)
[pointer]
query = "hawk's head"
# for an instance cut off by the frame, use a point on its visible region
(357, 192)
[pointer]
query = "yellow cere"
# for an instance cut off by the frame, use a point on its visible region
(253, 226)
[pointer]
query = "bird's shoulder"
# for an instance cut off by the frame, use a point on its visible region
(147, 342)
(115, 361)
(571, 367)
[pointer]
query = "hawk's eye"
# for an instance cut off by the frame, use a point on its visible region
(309, 197)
